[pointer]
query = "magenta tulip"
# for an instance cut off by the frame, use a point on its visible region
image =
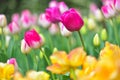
(53, 3)
(53, 14)
(63, 7)
(33, 39)
(72, 20)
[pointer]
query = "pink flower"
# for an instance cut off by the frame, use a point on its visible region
(53, 3)
(13, 27)
(25, 47)
(15, 17)
(43, 21)
(3, 20)
(106, 2)
(108, 11)
(117, 4)
(26, 19)
(63, 7)
(53, 14)
(53, 29)
(72, 20)
(33, 39)
(93, 8)
(14, 62)
(63, 30)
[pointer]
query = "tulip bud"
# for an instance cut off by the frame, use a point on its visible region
(54, 50)
(0, 31)
(53, 29)
(13, 27)
(83, 30)
(3, 20)
(104, 35)
(91, 24)
(13, 62)
(72, 20)
(108, 11)
(117, 4)
(64, 31)
(7, 38)
(42, 21)
(24, 47)
(96, 40)
(33, 39)
(53, 14)
(63, 7)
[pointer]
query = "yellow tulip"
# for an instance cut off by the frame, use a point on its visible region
(76, 57)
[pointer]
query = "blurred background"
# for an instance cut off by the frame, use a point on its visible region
(8, 7)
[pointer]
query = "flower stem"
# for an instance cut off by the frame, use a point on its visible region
(81, 39)
(46, 58)
(73, 74)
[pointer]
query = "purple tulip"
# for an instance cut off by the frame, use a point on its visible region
(53, 14)
(72, 20)
(33, 39)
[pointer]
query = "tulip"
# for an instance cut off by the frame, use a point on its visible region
(93, 8)
(42, 21)
(13, 27)
(72, 20)
(104, 35)
(13, 62)
(26, 19)
(96, 40)
(106, 2)
(64, 31)
(33, 39)
(63, 7)
(91, 24)
(15, 17)
(3, 20)
(53, 29)
(53, 14)
(76, 57)
(108, 11)
(117, 4)
(53, 3)
(25, 47)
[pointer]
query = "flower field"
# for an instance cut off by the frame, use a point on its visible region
(61, 43)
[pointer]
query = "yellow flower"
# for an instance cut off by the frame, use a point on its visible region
(110, 50)
(8, 71)
(89, 64)
(33, 75)
(62, 63)
(76, 57)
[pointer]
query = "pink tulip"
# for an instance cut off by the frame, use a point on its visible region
(63, 30)
(117, 4)
(106, 2)
(13, 62)
(3, 20)
(53, 3)
(53, 29)
(93, 8)
(108, 11)
(33, 39)
(13, 27)
(42, 21)
(15, 17)
(33, 19)
(25, 47)
(26, 19)
(72, 20)
(63, 7)
(53, 14)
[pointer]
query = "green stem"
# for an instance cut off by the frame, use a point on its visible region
(81, 39)
(3, 41)
(47, 61)
(72, 72)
